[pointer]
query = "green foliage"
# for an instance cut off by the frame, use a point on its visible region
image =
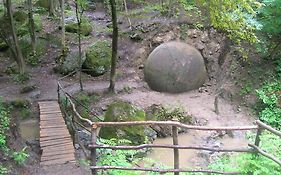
(270, 95)
(86, 27)
(21, 156)
(237, 18)
(270, 18)
(4, 126)
(21, 78)
(3, 170)
(123, 158)
(253, 163)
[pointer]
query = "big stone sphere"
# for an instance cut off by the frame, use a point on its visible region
(175, 67)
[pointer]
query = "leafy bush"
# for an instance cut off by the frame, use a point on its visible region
(122, 158)
(4, 126)
(21, 156)
(270, 95)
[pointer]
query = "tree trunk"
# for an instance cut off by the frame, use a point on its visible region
(31, 26)
(127, 14)
(19, 56)
(114, 46)
(51, 8)
(63, 49)
(78, 17)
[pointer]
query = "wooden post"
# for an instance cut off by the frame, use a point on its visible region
(93, 150)
(257, 140)
(176, 150)
(58, 90)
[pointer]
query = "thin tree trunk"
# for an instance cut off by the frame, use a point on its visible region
(31, 26)
(78, 17)
(127, 14)
(51, 8)
(114, 46)
(63, 49)
(19, 56)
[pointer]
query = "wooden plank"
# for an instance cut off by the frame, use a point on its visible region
(57, 149)
(57, 143)
(54, 129)
(66, 145)
(52, 123)
(56, 162)
(54, 134)
(50, 112)
(54, 126)
(58, 152)
(69, 156)
(54, 137)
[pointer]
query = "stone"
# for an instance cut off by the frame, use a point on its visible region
(71, 63)
(120, 112)
(28, 88)
(98, 58)
(175, 67)
(86, 27)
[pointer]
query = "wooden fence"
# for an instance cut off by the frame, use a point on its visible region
(252, 148)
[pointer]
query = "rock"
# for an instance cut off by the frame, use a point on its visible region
(98, 58)
(34, 95)
(182, 68)
(42, 3)
(159, 113)
(122, 111)
(28, 88)
(70, 63)
(86, 27)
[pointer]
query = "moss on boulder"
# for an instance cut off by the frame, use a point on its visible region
(42, 3)
(86, 27)
(98, 58)
(120, 112)
(71, 63)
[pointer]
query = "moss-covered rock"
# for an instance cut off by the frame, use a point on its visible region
(86, 27)
(120, 112)
(98, 58)
(42, 3)
(161, 113)
(71, 63)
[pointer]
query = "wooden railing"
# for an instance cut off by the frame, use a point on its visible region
(252, 148)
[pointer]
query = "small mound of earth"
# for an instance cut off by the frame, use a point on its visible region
(175, 67)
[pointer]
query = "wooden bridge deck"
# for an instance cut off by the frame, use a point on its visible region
(55, 140)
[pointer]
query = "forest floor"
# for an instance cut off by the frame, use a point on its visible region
(131, 87)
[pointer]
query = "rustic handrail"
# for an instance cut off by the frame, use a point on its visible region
(160, 170)
(165, 146)
(269, 128)
(254, 148)
(172, 123)
(73, 105)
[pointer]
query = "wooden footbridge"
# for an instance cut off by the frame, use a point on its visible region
(55, 140)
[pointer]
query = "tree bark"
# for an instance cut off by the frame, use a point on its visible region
(19, 56)
(78, 17)
(51, 8)
(31, 26)
(63, 49)
(114, 46)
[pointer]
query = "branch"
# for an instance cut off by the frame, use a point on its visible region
(265, 154)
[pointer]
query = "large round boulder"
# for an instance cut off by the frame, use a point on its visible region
(175, 67)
